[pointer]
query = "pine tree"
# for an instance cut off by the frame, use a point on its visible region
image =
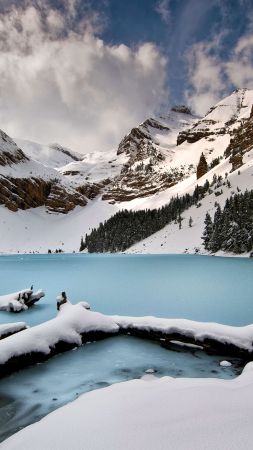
(207, 234)
(82, 245)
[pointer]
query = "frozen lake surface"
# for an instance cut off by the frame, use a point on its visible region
(181, 286)
(194, 287)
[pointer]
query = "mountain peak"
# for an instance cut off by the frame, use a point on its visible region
(181, 109)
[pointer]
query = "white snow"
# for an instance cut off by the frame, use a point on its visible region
(165, 413)
(225, 364)
(241, 337)
(17, 300)
(53, 155)
(10, 328)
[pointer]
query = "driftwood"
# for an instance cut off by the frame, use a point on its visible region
(20, 301)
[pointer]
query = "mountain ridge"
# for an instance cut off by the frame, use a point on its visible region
(148, 168)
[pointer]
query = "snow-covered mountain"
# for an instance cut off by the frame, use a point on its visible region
(53, 155)
(26, 183)
(157, 160)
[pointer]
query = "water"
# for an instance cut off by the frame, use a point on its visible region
(199, 288)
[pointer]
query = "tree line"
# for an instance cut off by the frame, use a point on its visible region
(126, 228)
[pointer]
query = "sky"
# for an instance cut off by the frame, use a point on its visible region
(84, 72)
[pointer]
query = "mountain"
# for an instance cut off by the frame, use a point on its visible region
(155, 161)
(141, 164)
(53, 155)
(26, 183)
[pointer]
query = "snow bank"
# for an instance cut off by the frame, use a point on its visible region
(66, 331)
(165, 413)
(20, 301)
(198, 332)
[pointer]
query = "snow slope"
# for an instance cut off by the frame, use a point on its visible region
(171, 239)
(166, 413)
(53, 155)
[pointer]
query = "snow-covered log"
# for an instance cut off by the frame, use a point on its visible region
(7, 329)
(20, 301)
(73, 326)
(213, 337)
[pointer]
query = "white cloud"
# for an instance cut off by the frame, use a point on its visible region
(206, 78)
(69, 86)
(239, 68)
(211, 76)
(163, 8)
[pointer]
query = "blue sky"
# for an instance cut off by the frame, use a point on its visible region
(186, 23)
(83, 72)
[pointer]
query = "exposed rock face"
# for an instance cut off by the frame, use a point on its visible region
(91, 190)
(146, 170)
(62, 200)
(236, 160)
(25, 193)
(25, 183)
(20, 193)
(9, 152)
(202, 167)
(181, 109)
(242, 138)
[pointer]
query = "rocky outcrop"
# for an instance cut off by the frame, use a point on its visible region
(92, 190)
(236, 160)
(137, 185)
(25, 193)
(242, 138)
(20, 193)
(63, 200)
(202, 167)
(181, 109)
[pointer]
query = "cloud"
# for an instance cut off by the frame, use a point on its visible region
(205, 77)
(163, 9)
(239, 68)
(214, 69)
(60, 82)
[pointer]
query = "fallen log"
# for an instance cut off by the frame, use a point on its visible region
(73, 326)
(214, 338)
(8, 329)
(20, 301)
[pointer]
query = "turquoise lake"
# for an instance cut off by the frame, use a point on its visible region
(195, 287)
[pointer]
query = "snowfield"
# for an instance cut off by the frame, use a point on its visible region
(165, 413)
